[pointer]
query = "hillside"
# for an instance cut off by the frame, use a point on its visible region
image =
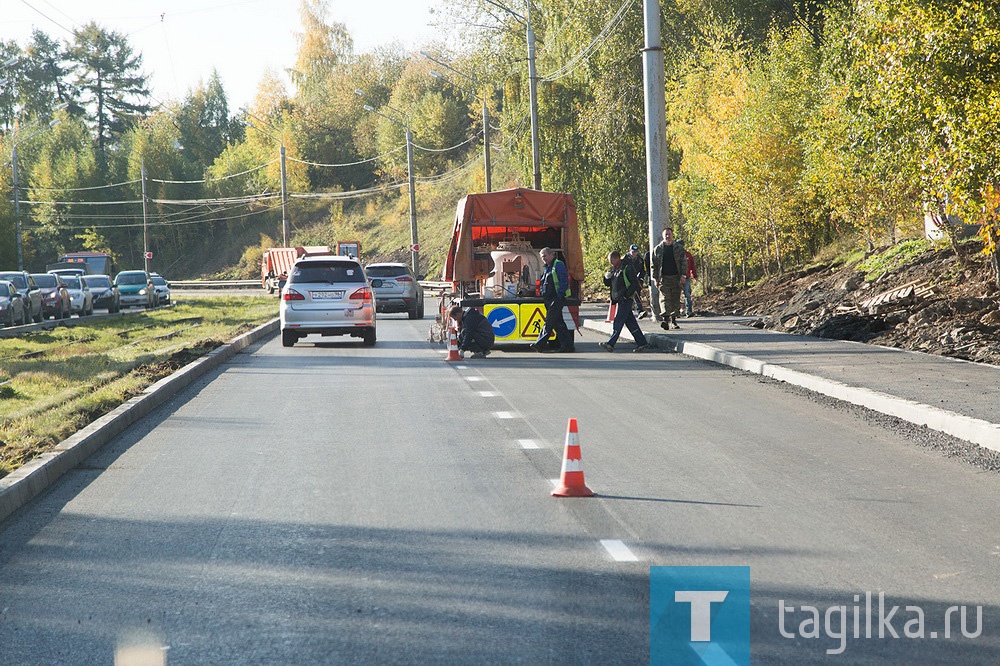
(912, 296)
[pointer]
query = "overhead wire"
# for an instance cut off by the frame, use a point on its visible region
(583, 54)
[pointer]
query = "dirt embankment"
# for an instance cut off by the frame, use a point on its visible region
(932, 304)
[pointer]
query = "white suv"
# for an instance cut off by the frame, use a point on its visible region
(327, 296)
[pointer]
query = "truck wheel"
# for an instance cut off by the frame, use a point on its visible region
(288, 338)
(369, 337)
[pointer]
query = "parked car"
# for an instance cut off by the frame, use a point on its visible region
(29, 291)
(105, 293)
(161, 287)
(81, 299)
(11, 305)
(396, 289)
(55, 297)
(135, 288)
(327, 296)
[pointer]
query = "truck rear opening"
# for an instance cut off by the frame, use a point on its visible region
(493, 261)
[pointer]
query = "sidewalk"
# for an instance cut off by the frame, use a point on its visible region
(952, 396)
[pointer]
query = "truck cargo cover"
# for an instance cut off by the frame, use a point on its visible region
(483, 217)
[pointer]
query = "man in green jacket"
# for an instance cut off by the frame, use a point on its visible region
(669, 268)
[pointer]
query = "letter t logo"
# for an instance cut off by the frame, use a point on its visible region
(701, 611)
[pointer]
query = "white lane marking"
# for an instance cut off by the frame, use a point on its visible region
(618, 550)
(528, 444)
(555, 482)
(461, 367)
(474, 379)
(489, 394)
(505, 415)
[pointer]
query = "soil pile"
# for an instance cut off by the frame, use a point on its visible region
(932, 304)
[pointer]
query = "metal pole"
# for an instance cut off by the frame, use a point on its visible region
(657, 198)
(145, 215)
(284, 200)
(533, 99)
(413, 201)
(17, 211)
(486, 145)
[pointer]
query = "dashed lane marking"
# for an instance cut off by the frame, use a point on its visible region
(528, 444)
(489, 394)
(618, 550)
(505, 415)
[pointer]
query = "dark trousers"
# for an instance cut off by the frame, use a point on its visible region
(554, 322)
(624, 317)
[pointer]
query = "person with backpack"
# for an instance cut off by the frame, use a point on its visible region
(639, 265)
(624, 283)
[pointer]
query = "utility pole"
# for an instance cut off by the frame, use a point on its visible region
(536, 160)
(414, 245)
(17, 210)
(145, 215)
(284, 199)
(657, 197)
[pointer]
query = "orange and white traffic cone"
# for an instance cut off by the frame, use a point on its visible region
(612, 311)
(453, 354)
(572, 484)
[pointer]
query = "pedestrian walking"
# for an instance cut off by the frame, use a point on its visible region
(622, 279)
(639, 266)
(555, 290)
(475, 332)
(669, 268)
(690, 274)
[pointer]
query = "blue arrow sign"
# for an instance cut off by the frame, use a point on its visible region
(504, 321)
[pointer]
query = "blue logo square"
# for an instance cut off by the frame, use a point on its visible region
(699, 616)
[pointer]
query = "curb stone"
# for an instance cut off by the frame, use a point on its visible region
(24, 483)
(978, 431)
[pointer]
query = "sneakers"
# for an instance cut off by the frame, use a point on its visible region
(673, 324)
(665, 326)
(606, 346)
(644, 314)
(482, 354)
(641, 348)
(689, 315)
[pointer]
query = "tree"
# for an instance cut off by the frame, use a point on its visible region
(204, 123)
(109, 77)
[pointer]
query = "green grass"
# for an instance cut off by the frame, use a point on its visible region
(890, 260)
(59, 381)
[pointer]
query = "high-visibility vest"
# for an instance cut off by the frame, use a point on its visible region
(555, 280)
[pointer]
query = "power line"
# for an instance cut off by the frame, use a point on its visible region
(347, 164)
(595, 43)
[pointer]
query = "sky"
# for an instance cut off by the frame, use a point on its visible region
(182, 40)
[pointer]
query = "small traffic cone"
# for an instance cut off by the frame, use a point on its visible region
(612, 311)
(452, 345)
(572, 484)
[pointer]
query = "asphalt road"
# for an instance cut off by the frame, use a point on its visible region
(336, 504)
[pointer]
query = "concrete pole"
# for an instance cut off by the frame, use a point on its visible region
(284, 200)
(536, 161)
(17, 211)
(145, 215)
(657, 198)
(413, 202)
(486, 145)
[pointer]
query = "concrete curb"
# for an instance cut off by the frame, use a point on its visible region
(977, 431)
(19, 487)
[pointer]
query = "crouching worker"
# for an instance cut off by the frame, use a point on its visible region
(475, 332)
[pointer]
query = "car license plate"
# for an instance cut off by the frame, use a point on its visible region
(388, 285)
(326, 295)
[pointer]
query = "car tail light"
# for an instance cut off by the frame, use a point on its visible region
(362, 294)
(405, 278)
(292, 295)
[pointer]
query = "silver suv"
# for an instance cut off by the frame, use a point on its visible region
(327, 296)
(396, 289)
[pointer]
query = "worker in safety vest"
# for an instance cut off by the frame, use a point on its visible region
(624, 283)
(555, 290)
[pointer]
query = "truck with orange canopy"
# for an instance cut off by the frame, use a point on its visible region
(493, 261)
